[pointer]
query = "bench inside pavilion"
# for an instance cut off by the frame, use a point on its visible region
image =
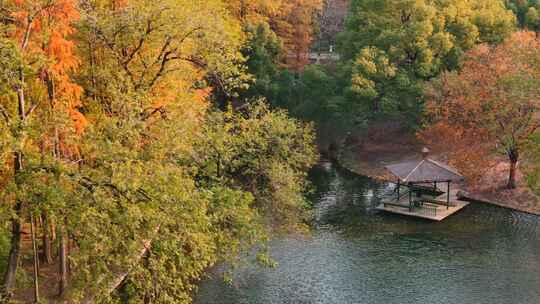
(423, 189)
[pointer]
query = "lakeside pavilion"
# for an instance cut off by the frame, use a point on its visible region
(423, 189)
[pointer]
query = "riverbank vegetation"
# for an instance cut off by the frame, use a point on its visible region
(393, 53)
(145, 141)
(131, 163)
(494, 96)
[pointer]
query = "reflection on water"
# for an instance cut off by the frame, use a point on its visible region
(356, 254)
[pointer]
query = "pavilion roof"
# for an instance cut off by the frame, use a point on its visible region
(424, 170)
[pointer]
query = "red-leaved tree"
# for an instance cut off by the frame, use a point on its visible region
(491, 105)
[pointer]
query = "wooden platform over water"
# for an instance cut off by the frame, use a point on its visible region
(428, 211)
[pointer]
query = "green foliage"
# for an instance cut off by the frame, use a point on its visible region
(313, 94)
(532, 18)
(162, 171)
(262, 152)
(138, 183)
(262, 50)
(533, 168)
(527, 12)
(392, 46)
(246, 175)
(157, 187)
(317, 94)
(10, 62)
(389, 49)
(4, 246)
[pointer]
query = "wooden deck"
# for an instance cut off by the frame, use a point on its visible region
(428, 211)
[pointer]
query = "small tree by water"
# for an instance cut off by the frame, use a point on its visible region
(492, 104)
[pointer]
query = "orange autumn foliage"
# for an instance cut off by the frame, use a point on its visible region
(44, 29)
(491, 105)
(201, 95)
(254, 11)
(295, 27)
(292, 20)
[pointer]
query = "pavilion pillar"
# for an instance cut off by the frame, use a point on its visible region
(410, 198)
(398, 188)
(448, 196)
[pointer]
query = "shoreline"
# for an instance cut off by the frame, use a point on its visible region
(349, 158)
(481, 200)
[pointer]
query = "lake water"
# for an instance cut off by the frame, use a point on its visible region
(355, 254)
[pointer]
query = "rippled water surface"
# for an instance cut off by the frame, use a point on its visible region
(356, 254)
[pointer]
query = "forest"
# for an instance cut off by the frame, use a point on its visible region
(143, 142)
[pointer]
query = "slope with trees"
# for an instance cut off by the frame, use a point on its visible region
(292, 21)
(143, 141)
(527, 12)
(495, 96)
(390, 47)
(115, 155)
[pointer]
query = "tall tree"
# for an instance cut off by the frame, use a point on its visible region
(149, 69)
(293, 22)
(392, 46)
(527, 12)
(149, 187)
(495, 96)
(42, 58)
(295, 26)
(263, 54)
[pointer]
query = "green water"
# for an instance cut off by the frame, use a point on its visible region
(482, 254)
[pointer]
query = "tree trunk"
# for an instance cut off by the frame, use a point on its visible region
(119, 275)
(16, 223)
(62, 251)
(35, 258)
(377, 104)
(513, 155)
(512, 175)
(14, 254)
(47, 246)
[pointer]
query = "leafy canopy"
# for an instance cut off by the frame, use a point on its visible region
(495, 96)
(390, 47)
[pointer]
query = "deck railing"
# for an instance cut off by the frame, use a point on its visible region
(426, 210)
